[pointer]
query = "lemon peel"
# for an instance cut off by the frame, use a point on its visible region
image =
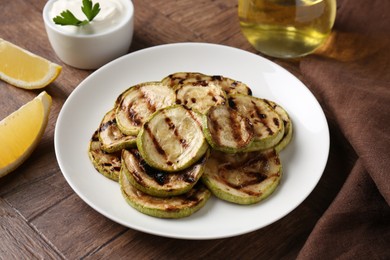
(24, 69)
(21, 131)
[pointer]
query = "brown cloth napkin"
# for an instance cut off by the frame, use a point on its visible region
(350, 77)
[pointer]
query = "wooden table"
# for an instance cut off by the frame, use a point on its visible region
(41, 216)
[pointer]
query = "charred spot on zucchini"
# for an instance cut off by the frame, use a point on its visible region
(172, 139)
(200, 95)
(268, 125)
(111, 138)
(156, 182)
(176, 80)
(243, 178)
(288, 127)
(230, 86)
(227, 130)
(169, 207)
(108, 164)
(137, 103)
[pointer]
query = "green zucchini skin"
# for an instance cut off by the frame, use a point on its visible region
(288, 125)
(156, 182)
(243, 178)
(108, 164)
(111, 138)
(170, 207)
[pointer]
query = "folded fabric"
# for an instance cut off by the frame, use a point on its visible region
(350, 76)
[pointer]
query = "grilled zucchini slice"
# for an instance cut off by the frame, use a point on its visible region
(200, 96)
(227, 130)
(136, 104)
(288, 127)
(243, 178)
(268, 126)
(171, 207)
(172, 139)
(108, 164)
(159, 183)
(230, 86)
(111, 138)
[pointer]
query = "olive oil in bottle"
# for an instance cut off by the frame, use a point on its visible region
(286, 28)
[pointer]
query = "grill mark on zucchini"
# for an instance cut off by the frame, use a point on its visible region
(108, 164)
(270, 104)
(196, 119)
(167, 207)
(259, 113)
(95, 137)
(232, 104)
(135, 119)
(276, 121)
(236, 130)
(157, 175)
(111, 165)
(107, 125)
(156, 144)
(191, 196)
(156, 182)
(150, 104)
(200, 95)
(131, 113)
(112, 139)
(230, 86)
(217, 127)
(254, 178)
(216, 77)
(173, 127)
(233, 85)
(200, 82)
(274, 106)
(244, 173)
(227, 130)
(262, 116)
(162, 177)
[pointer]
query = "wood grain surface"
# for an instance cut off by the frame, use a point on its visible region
(40, 215)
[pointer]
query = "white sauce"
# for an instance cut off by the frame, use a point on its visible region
(112, 12)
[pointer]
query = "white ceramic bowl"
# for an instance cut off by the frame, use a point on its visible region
(90, 51)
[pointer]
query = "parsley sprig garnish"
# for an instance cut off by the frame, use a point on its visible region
(67, 17)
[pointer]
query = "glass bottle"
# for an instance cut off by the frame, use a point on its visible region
(286, 28)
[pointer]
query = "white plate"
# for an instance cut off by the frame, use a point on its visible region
(303, 160)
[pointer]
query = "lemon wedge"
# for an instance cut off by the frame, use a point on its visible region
(21, 131)
(24, 69)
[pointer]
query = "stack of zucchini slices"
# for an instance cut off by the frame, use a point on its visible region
(171, 144)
